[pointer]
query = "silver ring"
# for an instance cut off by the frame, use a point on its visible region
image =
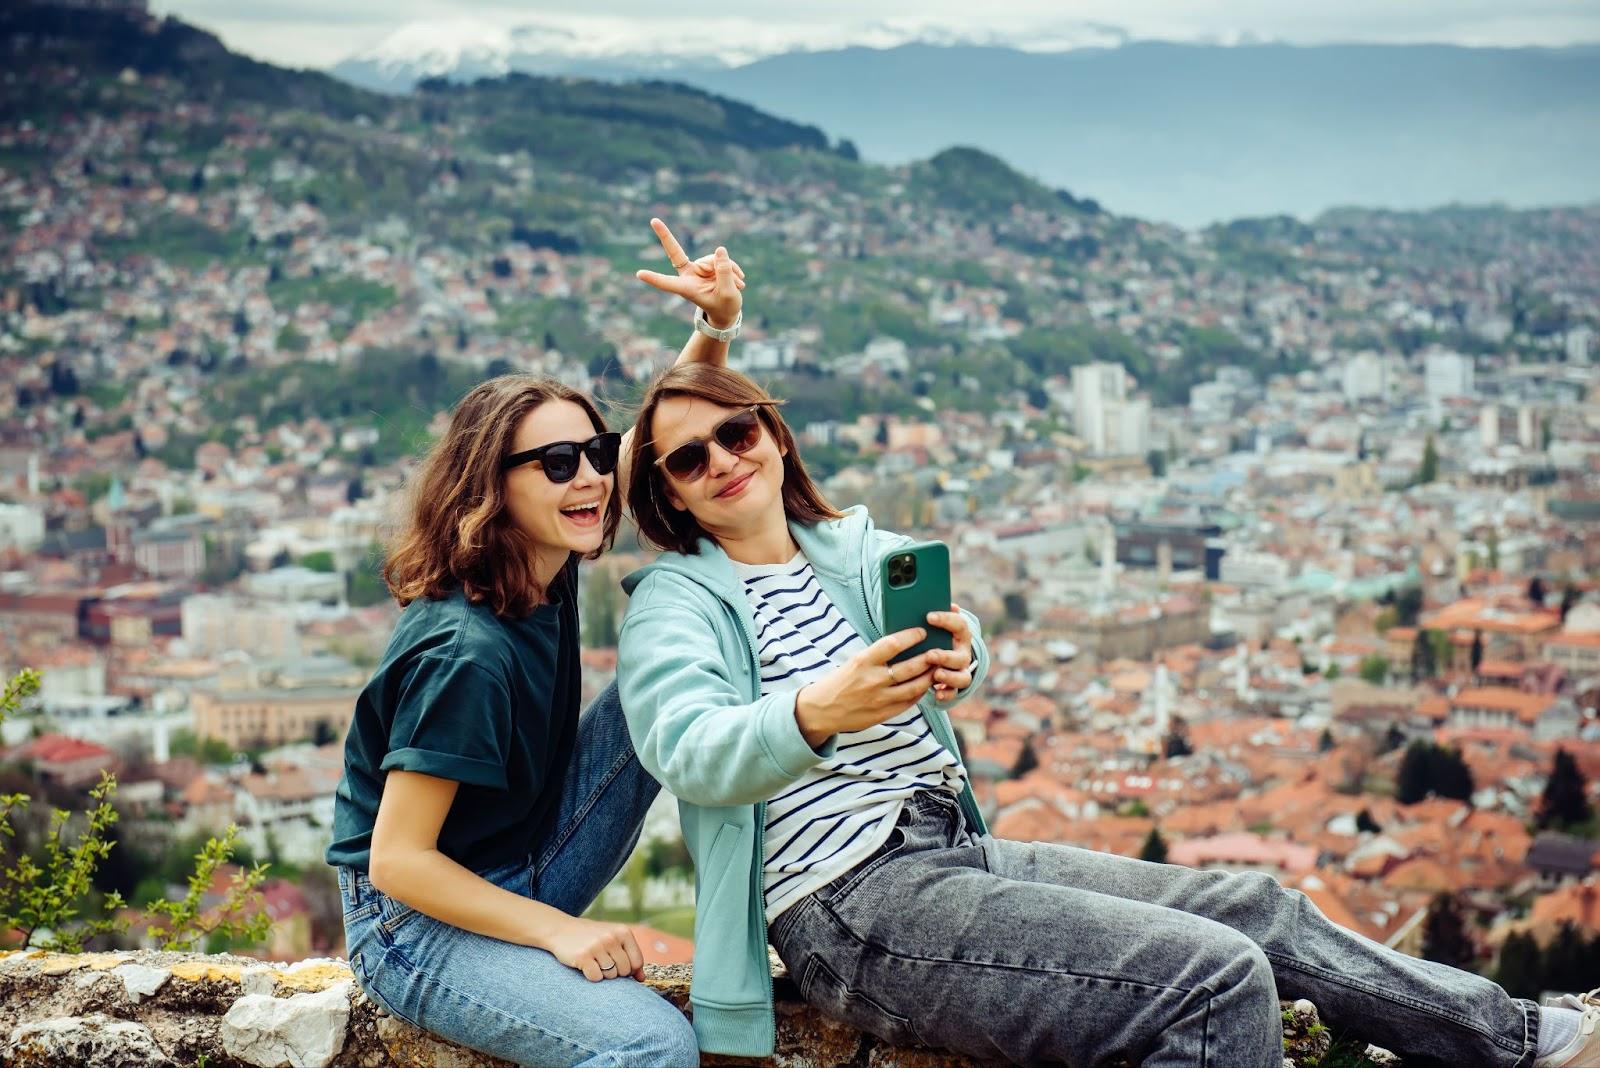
(608, 967)
(680, 266)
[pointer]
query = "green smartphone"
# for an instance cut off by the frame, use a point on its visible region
(914, 581)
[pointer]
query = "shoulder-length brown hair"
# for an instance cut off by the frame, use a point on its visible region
(457, 532)
(662, 525)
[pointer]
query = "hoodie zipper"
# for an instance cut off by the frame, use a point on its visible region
(758, 879)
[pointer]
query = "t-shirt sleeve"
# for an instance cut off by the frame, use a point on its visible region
(452, 720)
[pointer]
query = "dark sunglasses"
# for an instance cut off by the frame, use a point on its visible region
(737, 434)
(560, 458)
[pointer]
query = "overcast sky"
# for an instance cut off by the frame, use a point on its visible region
(319, 33)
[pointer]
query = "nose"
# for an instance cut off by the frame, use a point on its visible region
(719, 461)
(587, 475)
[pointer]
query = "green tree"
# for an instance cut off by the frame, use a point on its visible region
(1325, 741)
(321, 560)
(1027, 760)
(1477, 649)
(1445, 937)
(208, 750)
(1521, 967)
(1375, 669)
(1431, 769)
(1569, 959)
(1154, 848)
(366, 580)
(1408, 606)
(1565, 801)
(1428, 470)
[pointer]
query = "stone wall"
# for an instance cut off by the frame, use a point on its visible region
(138, 1009)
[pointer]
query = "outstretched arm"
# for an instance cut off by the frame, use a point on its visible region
(712, 284)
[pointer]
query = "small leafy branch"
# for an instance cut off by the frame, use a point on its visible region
(36, 899)
(25, 684)
(240, 913)
(42, 901)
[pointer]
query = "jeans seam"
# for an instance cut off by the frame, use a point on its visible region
(1002, 965)
(1384, 995)
(583, 813)
(430, 978)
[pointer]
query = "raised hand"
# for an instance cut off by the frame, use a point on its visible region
(711, 283)
(866, 689)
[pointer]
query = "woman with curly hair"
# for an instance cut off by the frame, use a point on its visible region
(479, 814)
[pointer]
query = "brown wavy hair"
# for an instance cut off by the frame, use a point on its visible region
(458, 533)
(666, 527)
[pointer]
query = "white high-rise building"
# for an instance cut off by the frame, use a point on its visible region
(1580, 344)
(1108, 421)
(1449, 374)
(1367, 376)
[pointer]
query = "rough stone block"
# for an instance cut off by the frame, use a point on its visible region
(95, 1041)
(302, 1031)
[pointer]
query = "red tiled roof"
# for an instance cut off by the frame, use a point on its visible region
(60, 749)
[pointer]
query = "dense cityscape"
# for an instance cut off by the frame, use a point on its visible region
(1285, 536)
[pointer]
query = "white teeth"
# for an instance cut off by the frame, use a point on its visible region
(592, 506)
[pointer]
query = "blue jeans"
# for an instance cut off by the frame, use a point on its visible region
(515, 1001)
(1029, 952)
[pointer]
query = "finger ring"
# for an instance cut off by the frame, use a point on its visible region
(608, 967)
(680, 266)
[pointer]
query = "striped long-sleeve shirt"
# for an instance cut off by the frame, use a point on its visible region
(844, 807)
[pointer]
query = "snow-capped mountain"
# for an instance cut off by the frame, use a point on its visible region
(466, 48)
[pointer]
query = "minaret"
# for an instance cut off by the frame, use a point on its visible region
(162, 749)
(1163, 701)
(1108, 561)
(1241, 671)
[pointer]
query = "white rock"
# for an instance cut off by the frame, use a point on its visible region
(93, 1040)
(259, 981)
(303, 1031)
(1380, 1056)
(140, 980)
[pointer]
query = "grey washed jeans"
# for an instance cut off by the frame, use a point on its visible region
(1036, 953)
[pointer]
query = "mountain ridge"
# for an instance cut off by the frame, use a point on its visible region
(1195, 133)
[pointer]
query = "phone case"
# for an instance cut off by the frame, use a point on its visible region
(909, 605)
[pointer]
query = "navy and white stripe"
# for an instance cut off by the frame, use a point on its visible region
(844, 807)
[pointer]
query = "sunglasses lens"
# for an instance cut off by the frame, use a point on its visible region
(687, 462)
(739, 433)
(561, 462)
(602, 452)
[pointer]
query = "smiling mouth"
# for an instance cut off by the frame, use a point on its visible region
(736, 485)
(583, 514)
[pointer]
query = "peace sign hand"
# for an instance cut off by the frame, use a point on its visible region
(711, 283)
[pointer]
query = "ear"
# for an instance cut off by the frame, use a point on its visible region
(673, 498)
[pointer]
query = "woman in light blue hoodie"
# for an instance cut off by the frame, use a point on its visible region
(828, 812)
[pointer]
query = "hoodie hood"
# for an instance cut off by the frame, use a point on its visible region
(829, 546)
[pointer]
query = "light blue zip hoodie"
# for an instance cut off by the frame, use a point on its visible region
(691, 691)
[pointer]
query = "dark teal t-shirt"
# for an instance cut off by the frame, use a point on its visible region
(490, 703)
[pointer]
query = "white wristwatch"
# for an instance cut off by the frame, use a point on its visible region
(726, 334)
